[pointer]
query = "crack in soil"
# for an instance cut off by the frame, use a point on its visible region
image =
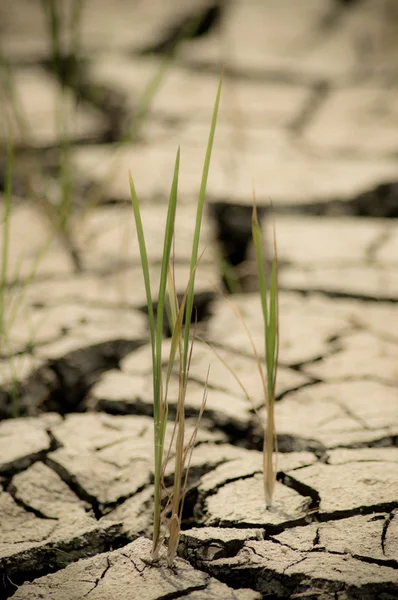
(377, 244)
(30, 347)
(340, 294)
(43, 559)
(262, 75)
(375, 378)
(301, 488)
(299, 366)
(323, 550)
(387, 441)
(312, 381)
(391, 563)
(140, 571)
(353, 512)
(183, 593)
(386, 525)
(72, 482)
(349, 413)
(219, 486)
(313, 509)
(19, 465)
(316, 98)
(11, 489)
(293, 443)
(197, 23)
(316, 540)
(197, 471)
(97, 582)
(294, 563)
(23, 463)
(73, 375)
(235, 432)
(367, 460)
(279, 528)
(121, 440)
(171, 595)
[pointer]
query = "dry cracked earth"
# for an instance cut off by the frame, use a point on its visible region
(309, 114)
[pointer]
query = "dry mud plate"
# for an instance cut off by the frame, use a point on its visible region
(309, 113)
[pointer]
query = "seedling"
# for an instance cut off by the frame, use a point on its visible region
(270, 313)
(181, 348)
(269, 306)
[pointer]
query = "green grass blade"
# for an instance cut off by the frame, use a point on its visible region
(177, 319)
(258, 247)
(168, 240)
(158, 431)
(272, 330)
(271, 340)
(171, 297)
(160, 412)
(144, 261)
(160, 421)
(275, 292)
(199, 215)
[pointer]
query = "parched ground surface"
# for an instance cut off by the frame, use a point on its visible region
(309, 114)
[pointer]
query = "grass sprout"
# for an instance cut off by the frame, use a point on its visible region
(181, 350)
(270, 312)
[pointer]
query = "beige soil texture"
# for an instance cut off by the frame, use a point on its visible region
(309, 116)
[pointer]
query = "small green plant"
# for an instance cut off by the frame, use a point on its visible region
(181, 348)
(270, 310)
(270, 313)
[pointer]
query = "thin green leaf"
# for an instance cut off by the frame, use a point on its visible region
(258, 247)
(199, 215)
(271, 341)
(275, 285)
(176, 337)
(158, 429)
(144, 263)
(171, 298)
(272, 330)
(168, 239)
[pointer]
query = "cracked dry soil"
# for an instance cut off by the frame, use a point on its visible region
(314, 124)
(77, 489)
